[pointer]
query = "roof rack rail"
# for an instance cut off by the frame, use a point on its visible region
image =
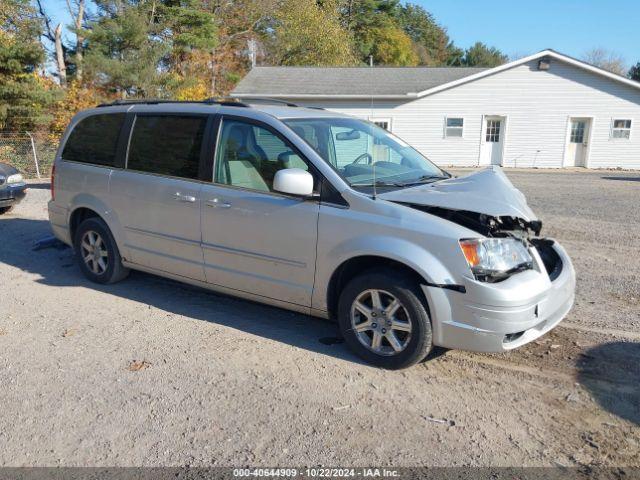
(154, 101)
(269, 100)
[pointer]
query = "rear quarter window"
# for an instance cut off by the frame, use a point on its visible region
(94, 140)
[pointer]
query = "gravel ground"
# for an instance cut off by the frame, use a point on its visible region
(150, 372)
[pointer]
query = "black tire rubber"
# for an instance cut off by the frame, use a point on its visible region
(115, 270)
(4, 210)
(407, 290)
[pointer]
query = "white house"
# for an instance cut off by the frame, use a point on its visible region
(544, 110)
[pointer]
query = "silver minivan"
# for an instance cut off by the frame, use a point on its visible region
(311, 211)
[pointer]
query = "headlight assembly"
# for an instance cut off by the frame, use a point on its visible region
(494, 259)
(15, 178)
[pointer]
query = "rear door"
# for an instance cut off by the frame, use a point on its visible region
(254, 239)
(157, 195)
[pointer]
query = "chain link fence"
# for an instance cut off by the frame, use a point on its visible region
(32, 154)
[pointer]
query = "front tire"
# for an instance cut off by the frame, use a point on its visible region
(384, 319)
(98, 253)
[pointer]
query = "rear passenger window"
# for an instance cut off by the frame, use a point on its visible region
(94, 140)
(167, 145)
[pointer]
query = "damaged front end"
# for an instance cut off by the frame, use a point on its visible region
(512, 236)
(487, 225)
(508, 228)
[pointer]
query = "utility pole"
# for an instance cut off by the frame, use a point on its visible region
(253, 53)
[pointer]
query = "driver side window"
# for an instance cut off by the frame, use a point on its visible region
(248, 156)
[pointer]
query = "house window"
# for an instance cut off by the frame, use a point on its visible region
(382, 123)
(453, 127)
(621, 128)
(493, 131)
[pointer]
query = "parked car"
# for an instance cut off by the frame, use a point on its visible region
(12, 187)
(314, 212)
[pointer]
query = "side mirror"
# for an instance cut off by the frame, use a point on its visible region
(293, 181)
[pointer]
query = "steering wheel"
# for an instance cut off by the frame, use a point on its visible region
(361, 157)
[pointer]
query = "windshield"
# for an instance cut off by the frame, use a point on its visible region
(364, 154)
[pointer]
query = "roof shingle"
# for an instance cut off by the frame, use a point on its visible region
(345, 81)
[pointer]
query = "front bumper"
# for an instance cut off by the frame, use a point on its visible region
(12, 194)
(502, 316)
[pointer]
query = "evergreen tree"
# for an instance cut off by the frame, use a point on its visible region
(23, 92)
(480, 55)
(143, 49)
(431, 40)
(634, 72)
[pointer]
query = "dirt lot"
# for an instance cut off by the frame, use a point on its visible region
(151, 372)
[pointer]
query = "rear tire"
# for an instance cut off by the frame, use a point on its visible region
(384, 319)
(98, 253)
(4, 210)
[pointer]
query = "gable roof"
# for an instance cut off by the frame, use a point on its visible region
(352, 82)
(382, 82)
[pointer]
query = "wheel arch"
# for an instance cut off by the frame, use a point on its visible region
(87, 206)
(354, 266)
(78, 216)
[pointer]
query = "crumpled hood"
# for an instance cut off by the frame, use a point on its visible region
(488, 191)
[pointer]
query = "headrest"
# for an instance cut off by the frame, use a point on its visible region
(238, 134)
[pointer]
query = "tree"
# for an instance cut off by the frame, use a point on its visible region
(245, 28)
(144, 49)
(361, 17)
(605, 59)
(634, 72)
(480, 55)
(24, 94)
(431, 40)
(124, 51)
(306, 33)
(392, 46)
(54, 35)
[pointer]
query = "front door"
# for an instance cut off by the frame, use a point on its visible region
(492, 141)
(254, 239)
(578, 142)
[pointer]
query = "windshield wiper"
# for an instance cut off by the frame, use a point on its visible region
(424, 179)
(379, 183)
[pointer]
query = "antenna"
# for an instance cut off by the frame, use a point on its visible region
(373, 163)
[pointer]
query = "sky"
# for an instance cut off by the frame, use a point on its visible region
(519, 28)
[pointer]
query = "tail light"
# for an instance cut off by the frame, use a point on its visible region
(53, 180)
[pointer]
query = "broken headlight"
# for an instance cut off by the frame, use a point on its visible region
(494, 259)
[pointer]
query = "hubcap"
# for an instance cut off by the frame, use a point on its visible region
(381, 323)
(94, 252)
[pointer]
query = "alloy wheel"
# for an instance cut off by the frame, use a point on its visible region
(94, 252)
(381, 323)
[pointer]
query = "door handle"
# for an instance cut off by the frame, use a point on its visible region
(184, 198)
(218, 203)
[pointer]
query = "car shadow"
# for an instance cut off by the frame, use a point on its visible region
(58, 268)
(623, 179)
(611, 374)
